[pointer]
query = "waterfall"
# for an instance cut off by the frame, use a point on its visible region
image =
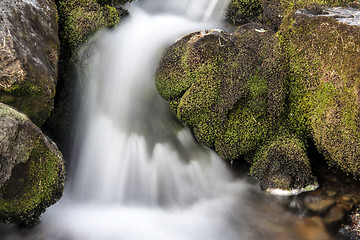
(139, 174)
(130, 153)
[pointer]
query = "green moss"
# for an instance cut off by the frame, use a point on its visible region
(248, 122)
(197, 106)
(323, 86)
(33, 185)
(245, 131)
(226, 88)
(29, 98)
(244, 11)
(173, 77)
(283, 164)
(82, 18)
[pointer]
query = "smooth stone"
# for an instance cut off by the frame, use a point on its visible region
(320, 206)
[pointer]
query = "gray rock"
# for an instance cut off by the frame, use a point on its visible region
(29, 47)
(31, 169)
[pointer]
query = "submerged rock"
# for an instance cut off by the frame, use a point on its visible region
(31, 169)
(28, 56)
(320, 206)
(351, 228)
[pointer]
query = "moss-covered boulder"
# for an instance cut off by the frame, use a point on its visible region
(230, 90)
(227, 87)
(263, 95)
(283, 167)
(324, 58)
(31, 169)
(28, 56)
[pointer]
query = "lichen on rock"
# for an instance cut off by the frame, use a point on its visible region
(31, 169)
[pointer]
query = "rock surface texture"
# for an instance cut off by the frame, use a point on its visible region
(29, 48)
(31, 169)
(267, 12)
(324, 59)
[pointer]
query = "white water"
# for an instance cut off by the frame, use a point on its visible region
(126, 153)
(137, 177)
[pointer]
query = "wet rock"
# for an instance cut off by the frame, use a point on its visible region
(347, 197)
(321, 206)
(28, 56)
(313, 228)
(31, 169)
(352, 227)
(335, 215)
(331, 193)
(350, 16)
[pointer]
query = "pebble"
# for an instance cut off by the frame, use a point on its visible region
(335, 215)
(320, 206)
(331, 193)
(313, 228)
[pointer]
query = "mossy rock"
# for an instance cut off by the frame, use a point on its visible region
(29, 57)
(80, 19)
(324, 57)
(282, 165)
(227, 87)
(31, 169)
(267, 12)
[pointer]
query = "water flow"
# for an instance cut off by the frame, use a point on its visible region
(131, 152)
(140, 175)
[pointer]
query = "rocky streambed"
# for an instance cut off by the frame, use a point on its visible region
(331, 212)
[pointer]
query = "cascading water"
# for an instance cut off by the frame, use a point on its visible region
(126, 154)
